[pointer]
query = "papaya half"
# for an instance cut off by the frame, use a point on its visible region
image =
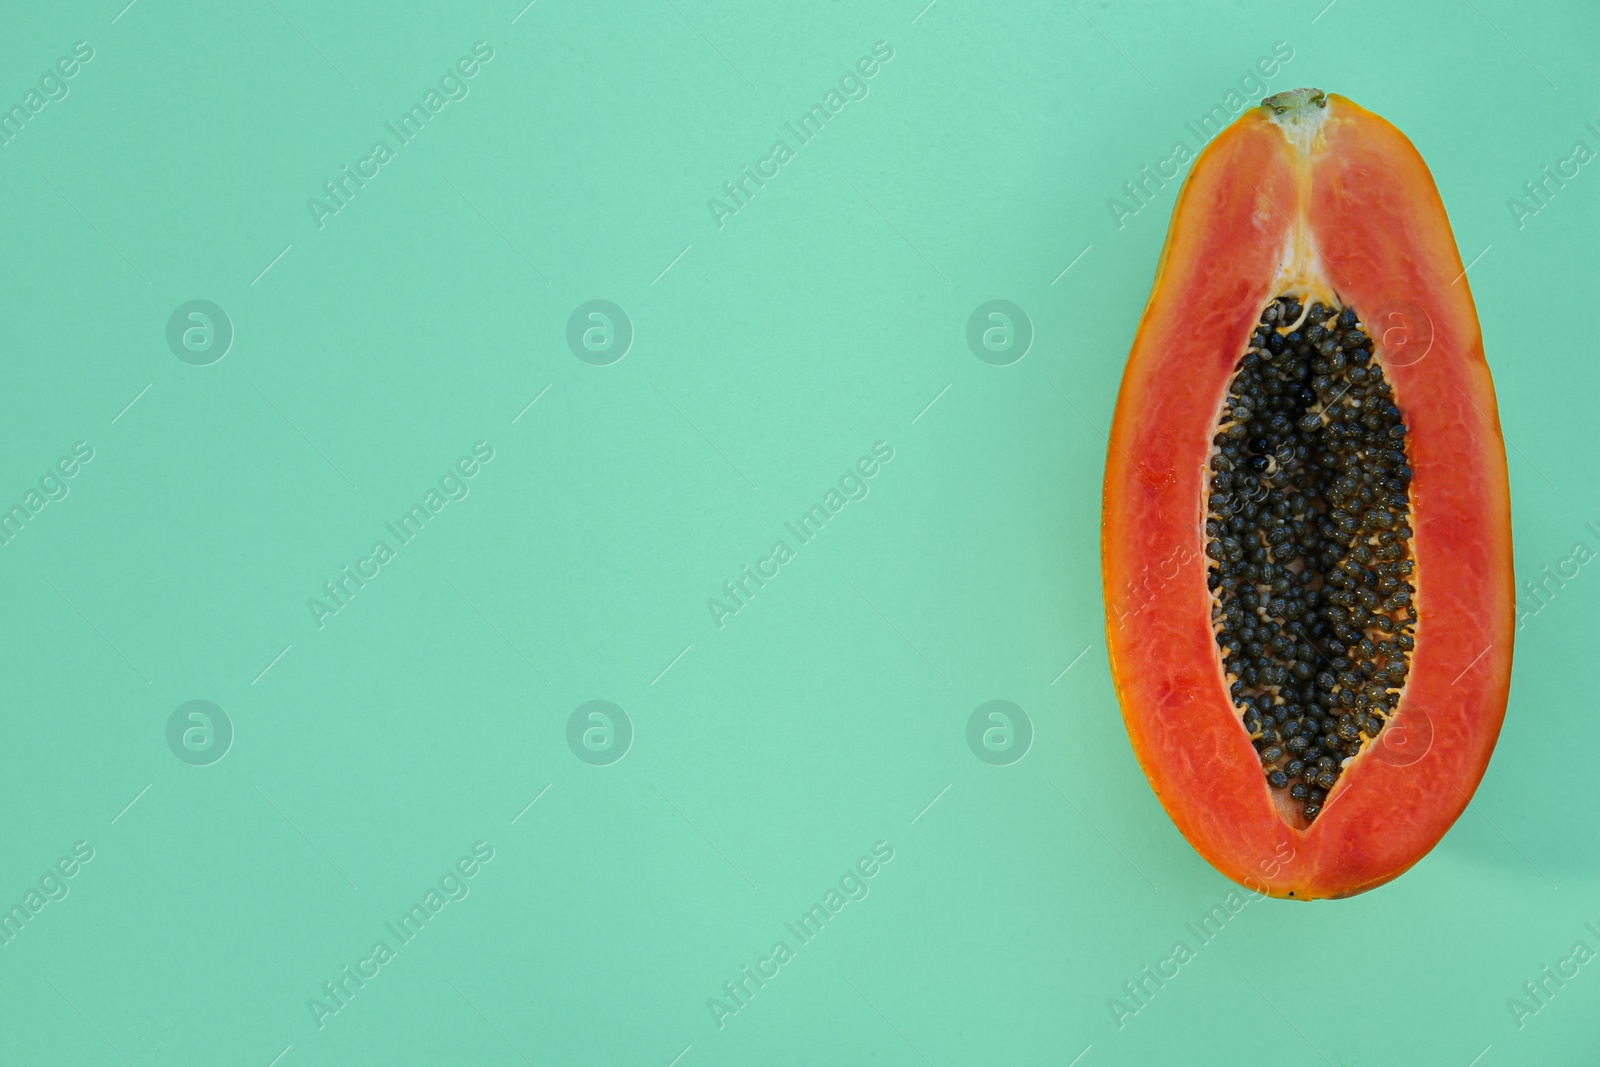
(1306, 538)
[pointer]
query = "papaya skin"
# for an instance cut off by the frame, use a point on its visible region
(1312, 195)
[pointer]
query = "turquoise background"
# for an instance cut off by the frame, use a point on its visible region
(768, 355)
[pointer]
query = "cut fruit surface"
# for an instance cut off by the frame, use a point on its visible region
(1306, 543)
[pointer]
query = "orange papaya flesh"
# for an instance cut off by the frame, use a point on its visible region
(1312, 210)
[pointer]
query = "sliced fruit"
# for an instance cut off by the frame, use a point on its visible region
(1306, 543)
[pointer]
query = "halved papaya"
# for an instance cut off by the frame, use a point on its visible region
(1306, 541)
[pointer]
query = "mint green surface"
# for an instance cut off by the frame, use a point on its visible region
(374, 748)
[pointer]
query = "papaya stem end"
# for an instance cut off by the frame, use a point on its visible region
(1299, 113)
(1294, 102)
